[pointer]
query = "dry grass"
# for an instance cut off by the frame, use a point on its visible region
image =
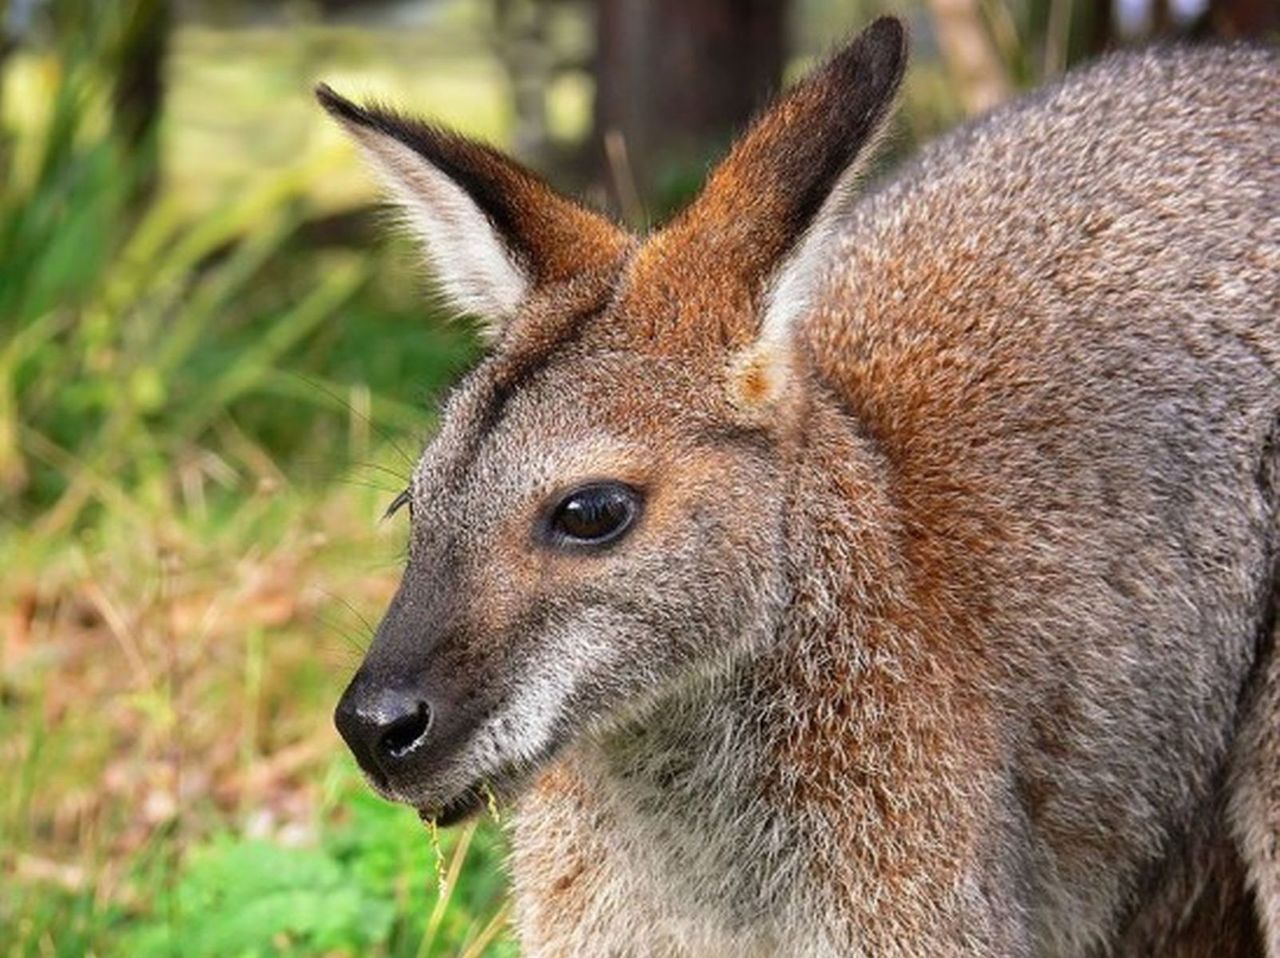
(168, 683)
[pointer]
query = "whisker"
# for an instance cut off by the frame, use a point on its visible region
(399, 476)
(377, 428)
(351, 608)
(353, 642)
(381, 487)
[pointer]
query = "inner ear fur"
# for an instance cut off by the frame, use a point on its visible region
(727, 250)
(544, 236)
(802, 159)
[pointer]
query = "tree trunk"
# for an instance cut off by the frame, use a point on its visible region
(969, 54)
(138, 92)
(675, 80)
(1243, 19)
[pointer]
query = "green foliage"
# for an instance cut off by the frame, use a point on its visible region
(131, 337)
(47, 921)
(179, 397)
(257, 898)
(367, 888)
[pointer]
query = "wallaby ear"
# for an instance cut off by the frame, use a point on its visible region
(866, 76)
(493, 230)
(764, 222)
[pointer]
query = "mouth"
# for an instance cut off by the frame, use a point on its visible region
(505, 783)
(456, 810)
(444, 813)
(452, 785)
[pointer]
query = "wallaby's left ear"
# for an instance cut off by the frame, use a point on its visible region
(859, 87)
(766, 220)
(493, 230)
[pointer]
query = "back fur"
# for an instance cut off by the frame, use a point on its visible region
(939, 619)
(1031, 559)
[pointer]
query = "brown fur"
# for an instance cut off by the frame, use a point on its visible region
(945, 626)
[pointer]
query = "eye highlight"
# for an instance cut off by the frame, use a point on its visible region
(593, 515)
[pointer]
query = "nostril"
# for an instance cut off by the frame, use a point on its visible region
(406, 733)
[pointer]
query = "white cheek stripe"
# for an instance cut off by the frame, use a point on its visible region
(568, 657)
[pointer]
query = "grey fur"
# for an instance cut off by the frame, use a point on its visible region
(960, 645)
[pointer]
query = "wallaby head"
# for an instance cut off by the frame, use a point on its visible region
(599, 518)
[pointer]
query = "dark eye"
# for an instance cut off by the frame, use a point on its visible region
(594, 514)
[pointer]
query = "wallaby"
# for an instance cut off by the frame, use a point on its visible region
(882, 575)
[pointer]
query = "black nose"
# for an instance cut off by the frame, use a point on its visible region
(382, 727)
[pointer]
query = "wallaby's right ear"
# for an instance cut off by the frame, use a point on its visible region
(492, 229)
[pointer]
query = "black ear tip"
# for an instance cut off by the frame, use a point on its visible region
(889, 27)
(877, 55)
(336, 105)
(887, 37)
(325, 94)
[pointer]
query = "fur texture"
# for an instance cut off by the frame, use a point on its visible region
(947, 624)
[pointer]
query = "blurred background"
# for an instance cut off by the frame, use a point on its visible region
(217, 366)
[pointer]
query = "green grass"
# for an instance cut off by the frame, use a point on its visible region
(175, 782)
(202, 416)
(165, 726)
(366, 884)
